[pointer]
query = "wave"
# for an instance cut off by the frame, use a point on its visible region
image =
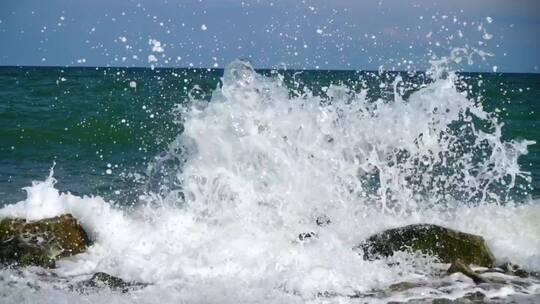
(258, 164)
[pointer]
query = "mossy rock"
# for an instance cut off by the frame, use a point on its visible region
(446, 244)
(40, 242)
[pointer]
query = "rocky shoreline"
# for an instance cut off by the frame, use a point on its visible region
(42, 243)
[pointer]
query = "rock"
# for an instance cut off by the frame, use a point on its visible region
(459, 266)
(402, 286)
(515, 270)
(322, 221)
(305, 236)
(102, 280)
(40, 242)
(511, 269)
(446, 244)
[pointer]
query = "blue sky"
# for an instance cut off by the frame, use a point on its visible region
(338, 34)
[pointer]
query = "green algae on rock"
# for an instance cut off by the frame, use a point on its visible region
(446, 244)
(40, 242)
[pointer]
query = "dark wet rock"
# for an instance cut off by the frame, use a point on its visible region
(446, 244)
(102, 280)
(42, 242)
(322, 220)
(511, 269)
(475, 297)
(459, 266)
(306, 236)
(328, 294)
(517, 271)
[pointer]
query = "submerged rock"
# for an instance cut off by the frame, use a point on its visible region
(403, 286)
(42, 242)
(446, 244)
(515, 270)
(102, 280)
(322, 221)
(306, 236)
(459, 266)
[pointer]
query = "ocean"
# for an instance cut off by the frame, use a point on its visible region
(198, 181)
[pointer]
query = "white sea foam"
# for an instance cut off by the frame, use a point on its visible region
(259, 166)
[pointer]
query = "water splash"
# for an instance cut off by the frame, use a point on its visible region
(305, 154)
(258, 165)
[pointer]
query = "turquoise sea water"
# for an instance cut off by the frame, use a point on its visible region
(89, 120)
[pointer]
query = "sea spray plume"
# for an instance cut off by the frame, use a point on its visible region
(488, 166)
(258, 146)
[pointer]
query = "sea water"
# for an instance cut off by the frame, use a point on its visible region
(199, 182)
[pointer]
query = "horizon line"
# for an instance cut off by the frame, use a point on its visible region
(257, 69)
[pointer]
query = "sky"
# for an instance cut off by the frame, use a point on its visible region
(499, 35)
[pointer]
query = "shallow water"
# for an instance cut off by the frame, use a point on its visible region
(203, 191)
